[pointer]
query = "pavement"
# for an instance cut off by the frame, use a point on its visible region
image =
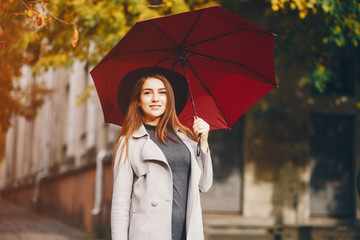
(17, 223)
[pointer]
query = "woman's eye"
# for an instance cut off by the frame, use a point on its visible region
(163, 92)
(146, 93)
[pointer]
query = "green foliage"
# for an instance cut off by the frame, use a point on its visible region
(320, 77)
(322, 31)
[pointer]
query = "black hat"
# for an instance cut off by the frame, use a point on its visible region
(178, 83)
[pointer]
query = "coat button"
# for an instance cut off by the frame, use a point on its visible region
(154, 203)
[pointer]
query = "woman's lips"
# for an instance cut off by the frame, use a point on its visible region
(155, 106)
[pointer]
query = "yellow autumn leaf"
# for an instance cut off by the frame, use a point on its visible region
(292, 5)
(326, 7)
(29, 14)
(275, 7)
(39, 20)
(43, 21)
(337, 29)
(310, 5)
(75, 37)
(302, 14)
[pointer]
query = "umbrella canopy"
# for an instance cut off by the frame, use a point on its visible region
(227, 62)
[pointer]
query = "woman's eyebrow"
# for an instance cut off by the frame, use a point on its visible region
(152, 89)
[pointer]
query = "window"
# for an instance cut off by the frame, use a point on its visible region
(332, 165)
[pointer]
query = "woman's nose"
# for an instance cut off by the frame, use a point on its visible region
(155, 97)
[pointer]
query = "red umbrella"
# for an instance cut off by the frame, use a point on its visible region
(227, 61)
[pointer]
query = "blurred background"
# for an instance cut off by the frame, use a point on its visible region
(289, 168)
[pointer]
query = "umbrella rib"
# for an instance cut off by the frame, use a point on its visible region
(192, 27)
(160, 30)
(164, 59)
(208, 91)
(175, 63)
(224, 35)
(232, 62)
(143, 51)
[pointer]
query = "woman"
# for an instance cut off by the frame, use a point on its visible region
(157, 173)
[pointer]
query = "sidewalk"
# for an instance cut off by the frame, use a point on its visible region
(20, 224)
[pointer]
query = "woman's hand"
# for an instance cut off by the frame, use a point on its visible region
(203, 128)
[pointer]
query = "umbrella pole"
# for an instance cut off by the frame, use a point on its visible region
(183, 65)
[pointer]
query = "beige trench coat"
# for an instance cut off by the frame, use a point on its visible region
(143, 191)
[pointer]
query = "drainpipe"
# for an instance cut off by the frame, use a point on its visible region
(46, 136)
(358, 182)
(100, 157)
(38, 178)
(43, 173)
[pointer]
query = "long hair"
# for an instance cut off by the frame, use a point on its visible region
(134, 117)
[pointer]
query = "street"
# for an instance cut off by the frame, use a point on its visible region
(20, 224)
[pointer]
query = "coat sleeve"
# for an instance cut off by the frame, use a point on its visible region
(120, 204)
(205, 164)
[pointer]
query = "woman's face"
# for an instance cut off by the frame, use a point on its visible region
(153, 100)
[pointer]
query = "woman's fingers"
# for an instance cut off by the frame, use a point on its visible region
(201, 127)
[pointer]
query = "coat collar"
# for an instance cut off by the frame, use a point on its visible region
(151, 151)
(141, 132)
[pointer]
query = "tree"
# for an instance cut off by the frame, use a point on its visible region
(322, 36)
(14, 99)
(315, 33)
(46, 34)
(331, 29)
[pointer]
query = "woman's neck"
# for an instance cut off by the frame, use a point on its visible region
(149, 127)
(150, 124)
(151, 121)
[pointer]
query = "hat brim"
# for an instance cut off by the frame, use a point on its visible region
(177, 80)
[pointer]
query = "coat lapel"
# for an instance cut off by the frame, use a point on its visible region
(150, 151)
